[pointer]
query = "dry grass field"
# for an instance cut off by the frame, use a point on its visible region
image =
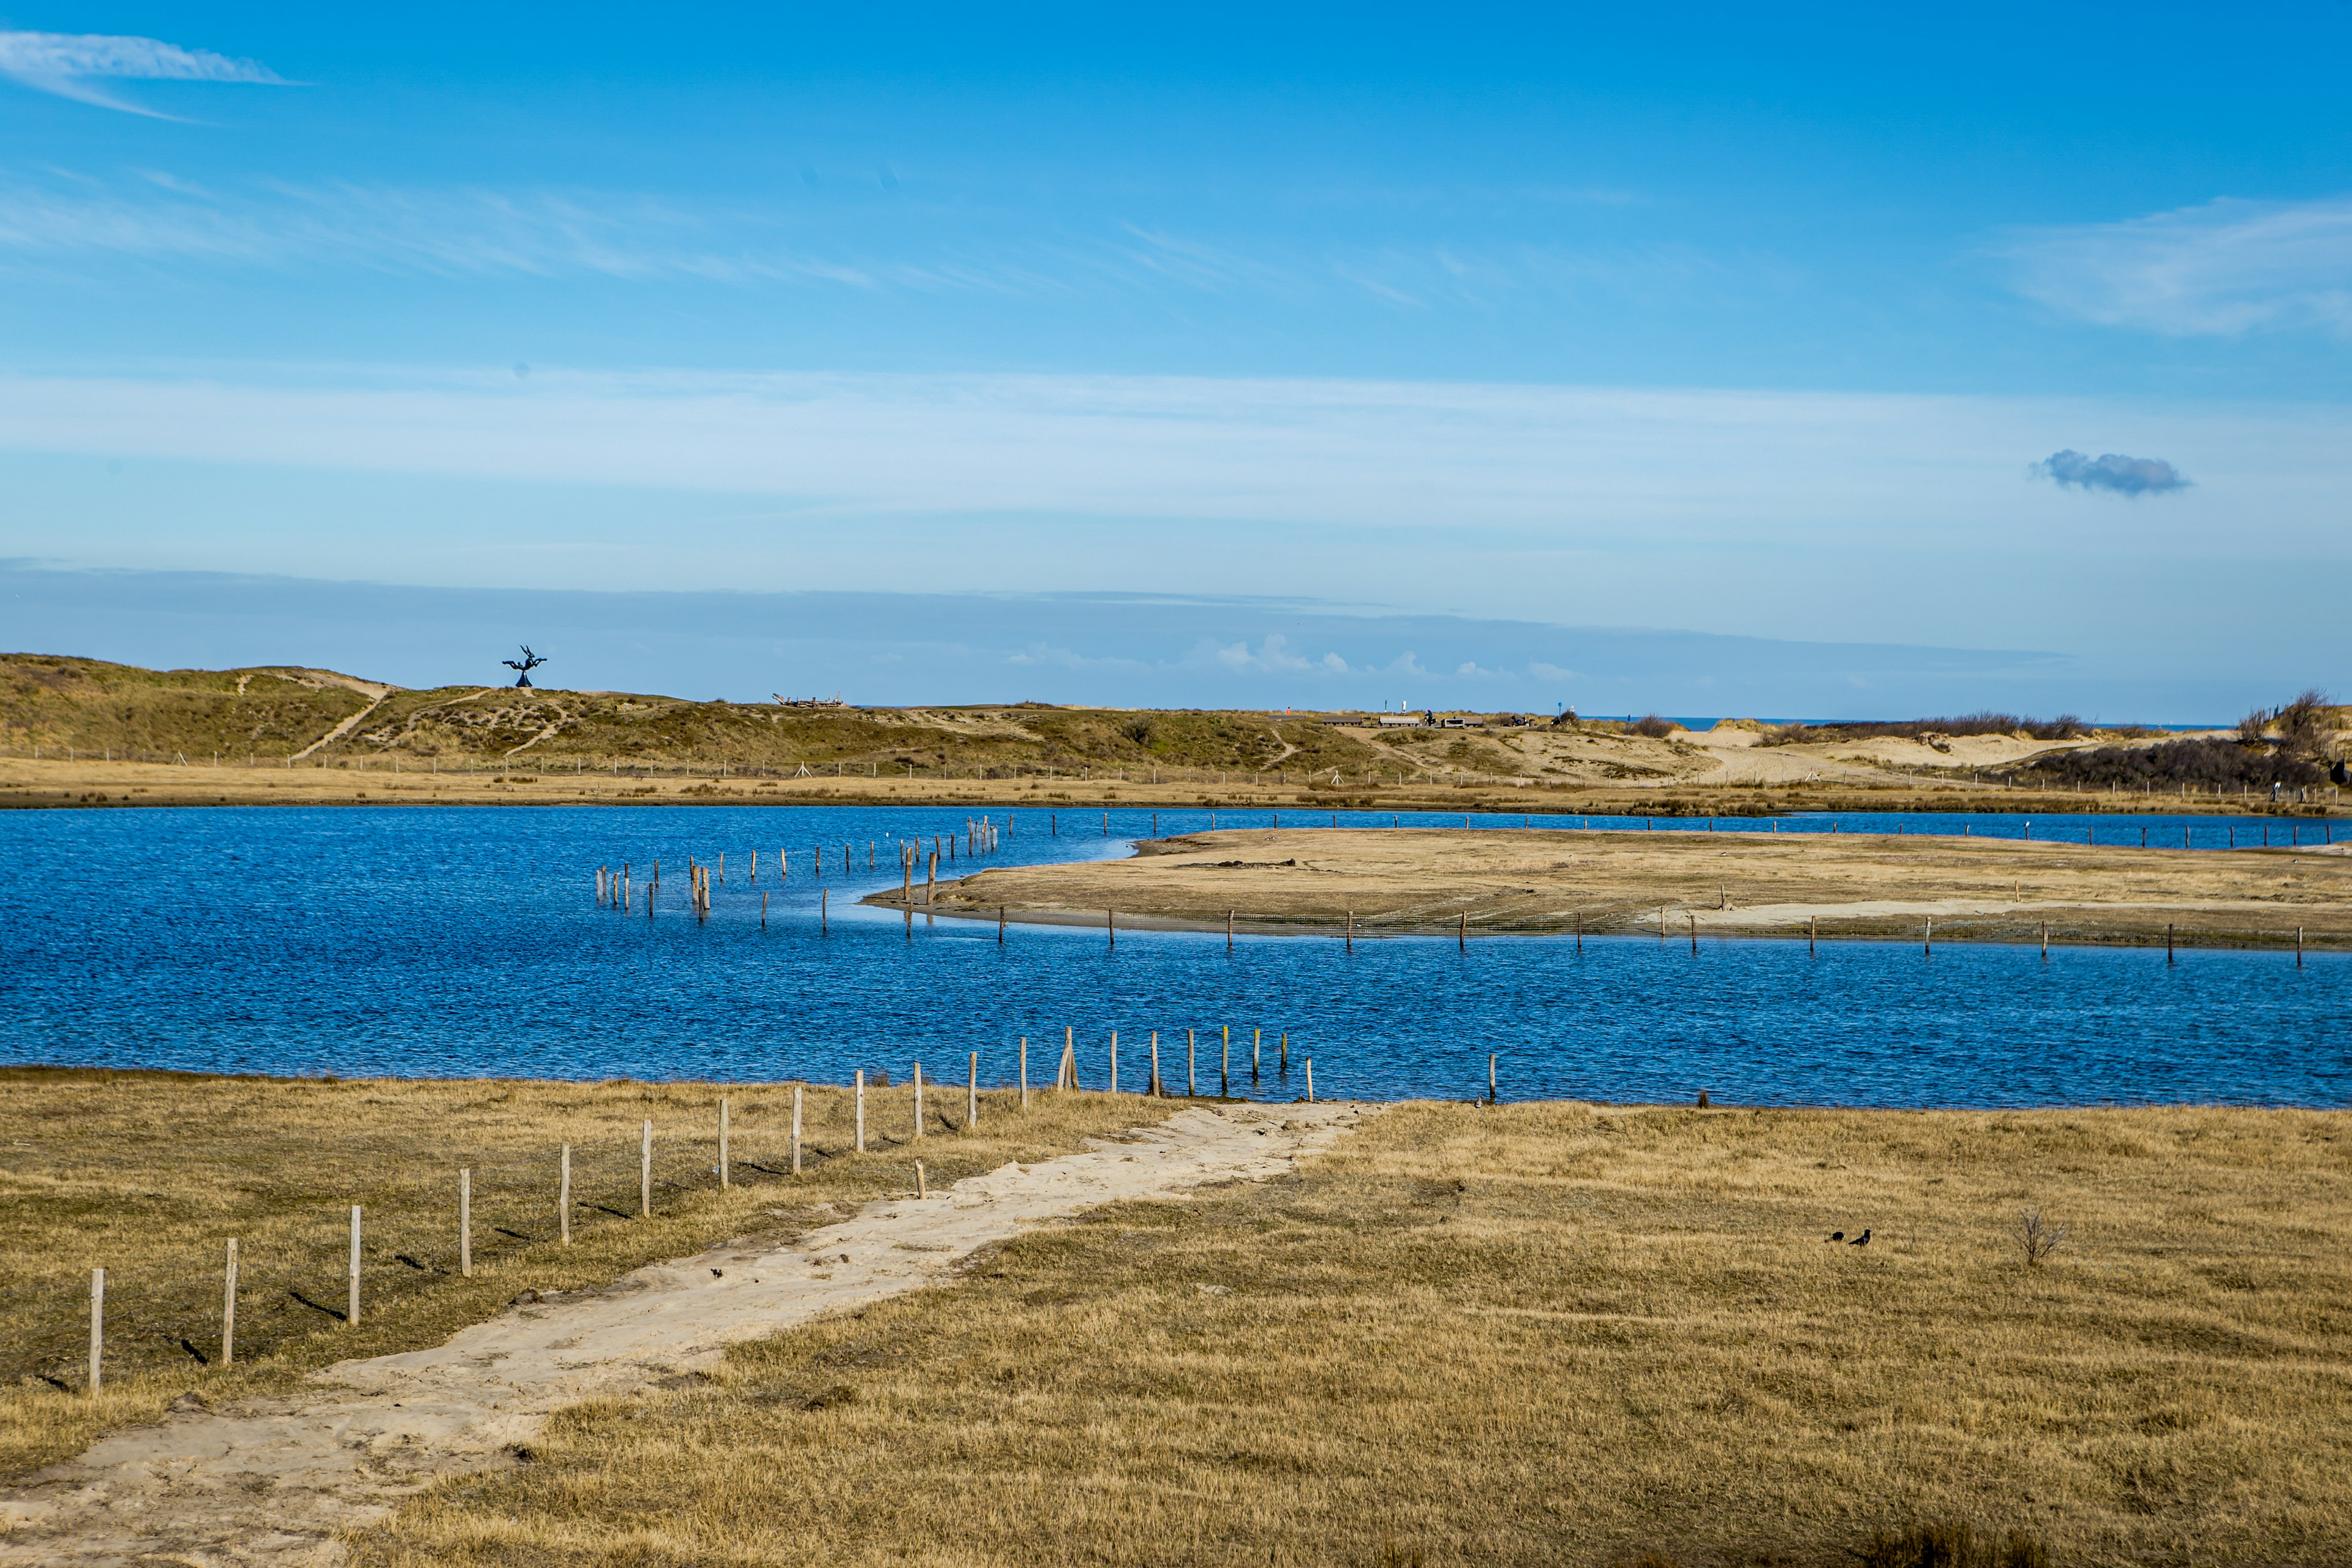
(149, 1175)
(1742, 883)
(1546, 1333)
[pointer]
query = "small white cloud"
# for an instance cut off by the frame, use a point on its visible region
(67, 64)
(2111, 472)
(1543, 671)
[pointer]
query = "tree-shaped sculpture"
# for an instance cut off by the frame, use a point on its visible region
(526, 663)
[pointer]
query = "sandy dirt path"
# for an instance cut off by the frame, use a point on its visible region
(277, 1481)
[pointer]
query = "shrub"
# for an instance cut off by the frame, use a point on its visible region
(1950, 1544)
(1656, 728)
(2065, 727)
(2036, 1237)
(2203, 760)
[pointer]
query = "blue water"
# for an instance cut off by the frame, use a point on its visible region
(451, 940)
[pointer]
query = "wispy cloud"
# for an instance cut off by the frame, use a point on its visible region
(70, 64)
(2111, 472)
(2226, 268)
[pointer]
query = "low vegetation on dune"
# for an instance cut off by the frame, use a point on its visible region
(2298, 745)
(1550, 1333)
(2064, 728)
(148, 1175)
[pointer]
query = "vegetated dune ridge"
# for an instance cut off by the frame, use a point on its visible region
(1544, 1334)
(1393, 880)
(293, 735)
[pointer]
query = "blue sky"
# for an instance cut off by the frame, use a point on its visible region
(1701, 321)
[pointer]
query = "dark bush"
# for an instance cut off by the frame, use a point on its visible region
(1656, 728)
(2065, 727)
(1946, 1544)
(2202, 760)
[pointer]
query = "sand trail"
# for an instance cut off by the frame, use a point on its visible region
(277, 1481)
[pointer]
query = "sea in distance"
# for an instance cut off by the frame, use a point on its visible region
(450, 942)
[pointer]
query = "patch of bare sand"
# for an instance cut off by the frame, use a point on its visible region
(277, 1481)
(1391, 881)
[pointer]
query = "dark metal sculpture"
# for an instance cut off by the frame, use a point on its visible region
(526, 663)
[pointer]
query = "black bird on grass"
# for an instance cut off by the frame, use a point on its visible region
(1837, 1236)
(1861, 1240)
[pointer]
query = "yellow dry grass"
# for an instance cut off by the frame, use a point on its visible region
(1743, 883)
(148, 1175)
(1546, 1333)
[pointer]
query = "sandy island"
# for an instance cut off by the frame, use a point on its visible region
(1396, 880)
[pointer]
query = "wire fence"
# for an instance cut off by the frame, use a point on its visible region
(293, 1273)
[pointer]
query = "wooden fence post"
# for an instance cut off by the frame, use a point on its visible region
(1024, 1072)
(722, 1140)
(1191, 1066)
(563, 1198)
(1155, 1064)
(1490, 1077)
(466, 1222)
(646, 1171)
(1257, 1052)
(796, 1130)
(1114, 1061)
(352, 1318)
(971, 1094)
(1310, 1080)
(229, 1308)
(861, 1111)
(918, 1101)
(96, 1329)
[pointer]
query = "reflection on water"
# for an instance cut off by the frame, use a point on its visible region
(454, 941)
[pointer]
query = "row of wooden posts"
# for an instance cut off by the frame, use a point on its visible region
(1066, 1077)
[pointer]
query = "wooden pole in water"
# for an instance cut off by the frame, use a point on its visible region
(1580, 931)
(1490, 1077)
(466, 1222)
(1155, 1064)
(861, 1111)
(999, 925)
(825, 912)
(563, 1198)
(931, 880)
(1110, 924)
(96, 1329)
(1191, 1066)
(1225, 1067)
(1282, 1053)
(1462, 938)
(2298, 947)
(1927, 941)
(351, 1317)
(229, 1305)
(1694, 930)
(796, 1130)
(722, 1142)
(1257, 1052)
(1024, 1072)
(1229, 930)
(1812, 934)
(2045, 939)
(646, 1171)
(2168, 942)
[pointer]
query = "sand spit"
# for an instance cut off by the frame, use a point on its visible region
(277, 1481)
(1393, 881)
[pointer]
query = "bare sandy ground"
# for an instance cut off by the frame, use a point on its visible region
(277, 1481)
(1393, 880)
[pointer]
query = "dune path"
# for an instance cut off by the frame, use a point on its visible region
(277, 1481)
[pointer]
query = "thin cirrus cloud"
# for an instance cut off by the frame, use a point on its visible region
(2222, 269)
(70, 65)
(2111, 472)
